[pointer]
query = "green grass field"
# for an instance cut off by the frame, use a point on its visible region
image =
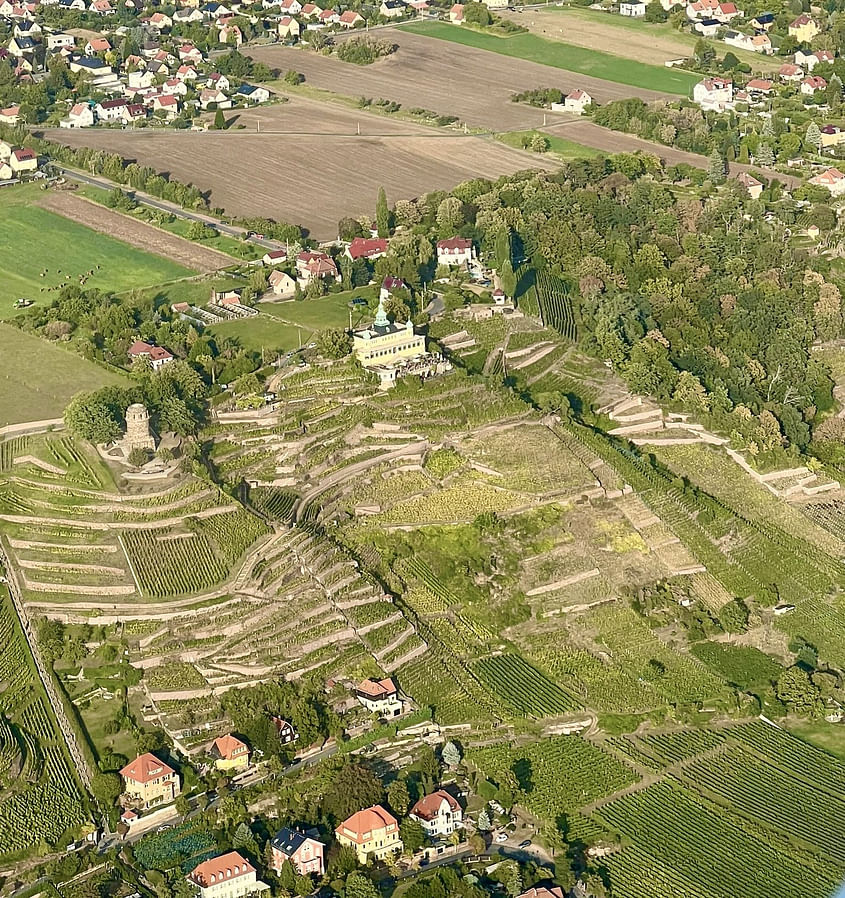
(37, 378)
(262, 334)
(564, 56)
(33, 239)
(318, 314)
(559, 146)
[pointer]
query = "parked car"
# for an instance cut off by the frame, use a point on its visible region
(501, 837)
(525, 843)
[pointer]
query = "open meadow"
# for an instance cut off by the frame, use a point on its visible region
(242, 169)
(37, 378)
(593, 63)
(36, 241)
(283, 326)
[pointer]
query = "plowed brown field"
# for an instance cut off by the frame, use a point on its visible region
(447, 78)
(307, 164)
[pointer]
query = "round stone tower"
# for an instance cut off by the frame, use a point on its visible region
(138, 434)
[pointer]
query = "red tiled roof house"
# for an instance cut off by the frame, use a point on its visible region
(147, 781)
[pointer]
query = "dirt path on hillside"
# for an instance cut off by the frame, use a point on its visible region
(136, 233)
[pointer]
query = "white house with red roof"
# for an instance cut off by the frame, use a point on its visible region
(97, 45)
(811, 60)
(455, 251)
(189, 53)
(713, 93)
(439, 814)
(165, 103)
(328, 17)
(832, 179)
(306, 854)
(134, 112)
(759, 86)
(811, 84)
(227, 876)
(158, 356)
(790, 72)
(288, 26)
(751, 184)
(380, 696)
(187, 72)
(577, 101)
(311, 10)
(210, 96)
(10, 115)
(281, 283)
(148, 781)
(221, 82)
(110, 110)
(23, 160)
(367, 248)
(291, 7)
(274, 256)
(456, 14)
(161, 21)
(81, 115)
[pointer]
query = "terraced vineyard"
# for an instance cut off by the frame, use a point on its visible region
(40, 796)
(708, 850)
(556, 775)
(556, 304)
(522, 687)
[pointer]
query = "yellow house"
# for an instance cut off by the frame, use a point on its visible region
(373, 833)
(803, 29)
(227, 876)
(149, 781)
(384, 342)
(832, 136)
(230, 753)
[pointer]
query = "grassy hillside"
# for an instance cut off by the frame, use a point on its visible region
(38, 378)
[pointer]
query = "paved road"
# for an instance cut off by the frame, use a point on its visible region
(164, 206)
